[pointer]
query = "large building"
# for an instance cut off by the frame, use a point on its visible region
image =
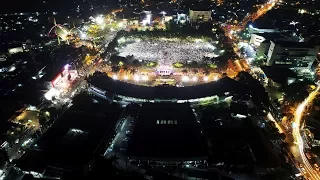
(199, 16)
(167, 134)
(261, 41)
(73, 141)
(298, 56)
(213, 92)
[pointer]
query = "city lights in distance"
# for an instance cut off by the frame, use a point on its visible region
(205, 78)
(126, 77)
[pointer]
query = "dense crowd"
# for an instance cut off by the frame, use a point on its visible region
(167, 51)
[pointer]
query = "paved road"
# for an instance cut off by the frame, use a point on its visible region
(120, 147)
(310, 172)
(13, 151)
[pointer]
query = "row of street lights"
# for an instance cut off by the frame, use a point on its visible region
(138, 78)
(195, 79)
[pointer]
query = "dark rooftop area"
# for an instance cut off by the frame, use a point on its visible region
(279, 74)
(102, 81)
(75, 138)
(294, 44)
(166, 131)
(275, 36)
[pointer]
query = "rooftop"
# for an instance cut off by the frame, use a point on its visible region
(274, 36)
(167, 131)
(294, 44)
(278, 74)
(75, 137)
(220, 87)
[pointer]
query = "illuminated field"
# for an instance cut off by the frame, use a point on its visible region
(167, 50)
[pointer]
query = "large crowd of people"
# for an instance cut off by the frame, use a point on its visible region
(167, 51)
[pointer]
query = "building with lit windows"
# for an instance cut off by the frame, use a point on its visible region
(219, 2)
(298, 56)
(199, 16)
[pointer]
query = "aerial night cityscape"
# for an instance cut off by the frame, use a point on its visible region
(160, 90)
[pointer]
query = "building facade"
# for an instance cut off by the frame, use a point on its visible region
(294, 55)
(199, 16)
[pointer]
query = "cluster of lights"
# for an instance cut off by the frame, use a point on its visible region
(115, 77)
(195, 79)
(138, 78)
(135, 78)
(99, 20)
(167, 51)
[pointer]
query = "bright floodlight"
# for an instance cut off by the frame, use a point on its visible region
(66, 67)
(145, 78)
(250, 26)
(194, 79)
(125, 77)
(120, 24)
(185, 78)
(115, 77)
(216, 78)
(83, 35)
(136, 78)
(205, 78)
(294, 125)
(51, 93)
(163, 13)
(99, 19)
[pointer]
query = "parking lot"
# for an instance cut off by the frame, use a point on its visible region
(119, 144)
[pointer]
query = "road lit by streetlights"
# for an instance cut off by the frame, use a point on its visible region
(297, 136)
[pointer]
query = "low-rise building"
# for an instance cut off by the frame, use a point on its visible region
(199, 15)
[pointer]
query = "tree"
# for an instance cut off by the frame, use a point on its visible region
(115, 69)
(297, 91)
(114, 159)
(185, 71)
(136, 63)
(206, 72)
(42, 120)
(133, 71)
(194, 64)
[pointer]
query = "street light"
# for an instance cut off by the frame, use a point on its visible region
(194, 79)
(83, 35)
(114, 77)
(205, 78)
(185, 78)
(99, 20)
(145, 78)
(136, 78)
